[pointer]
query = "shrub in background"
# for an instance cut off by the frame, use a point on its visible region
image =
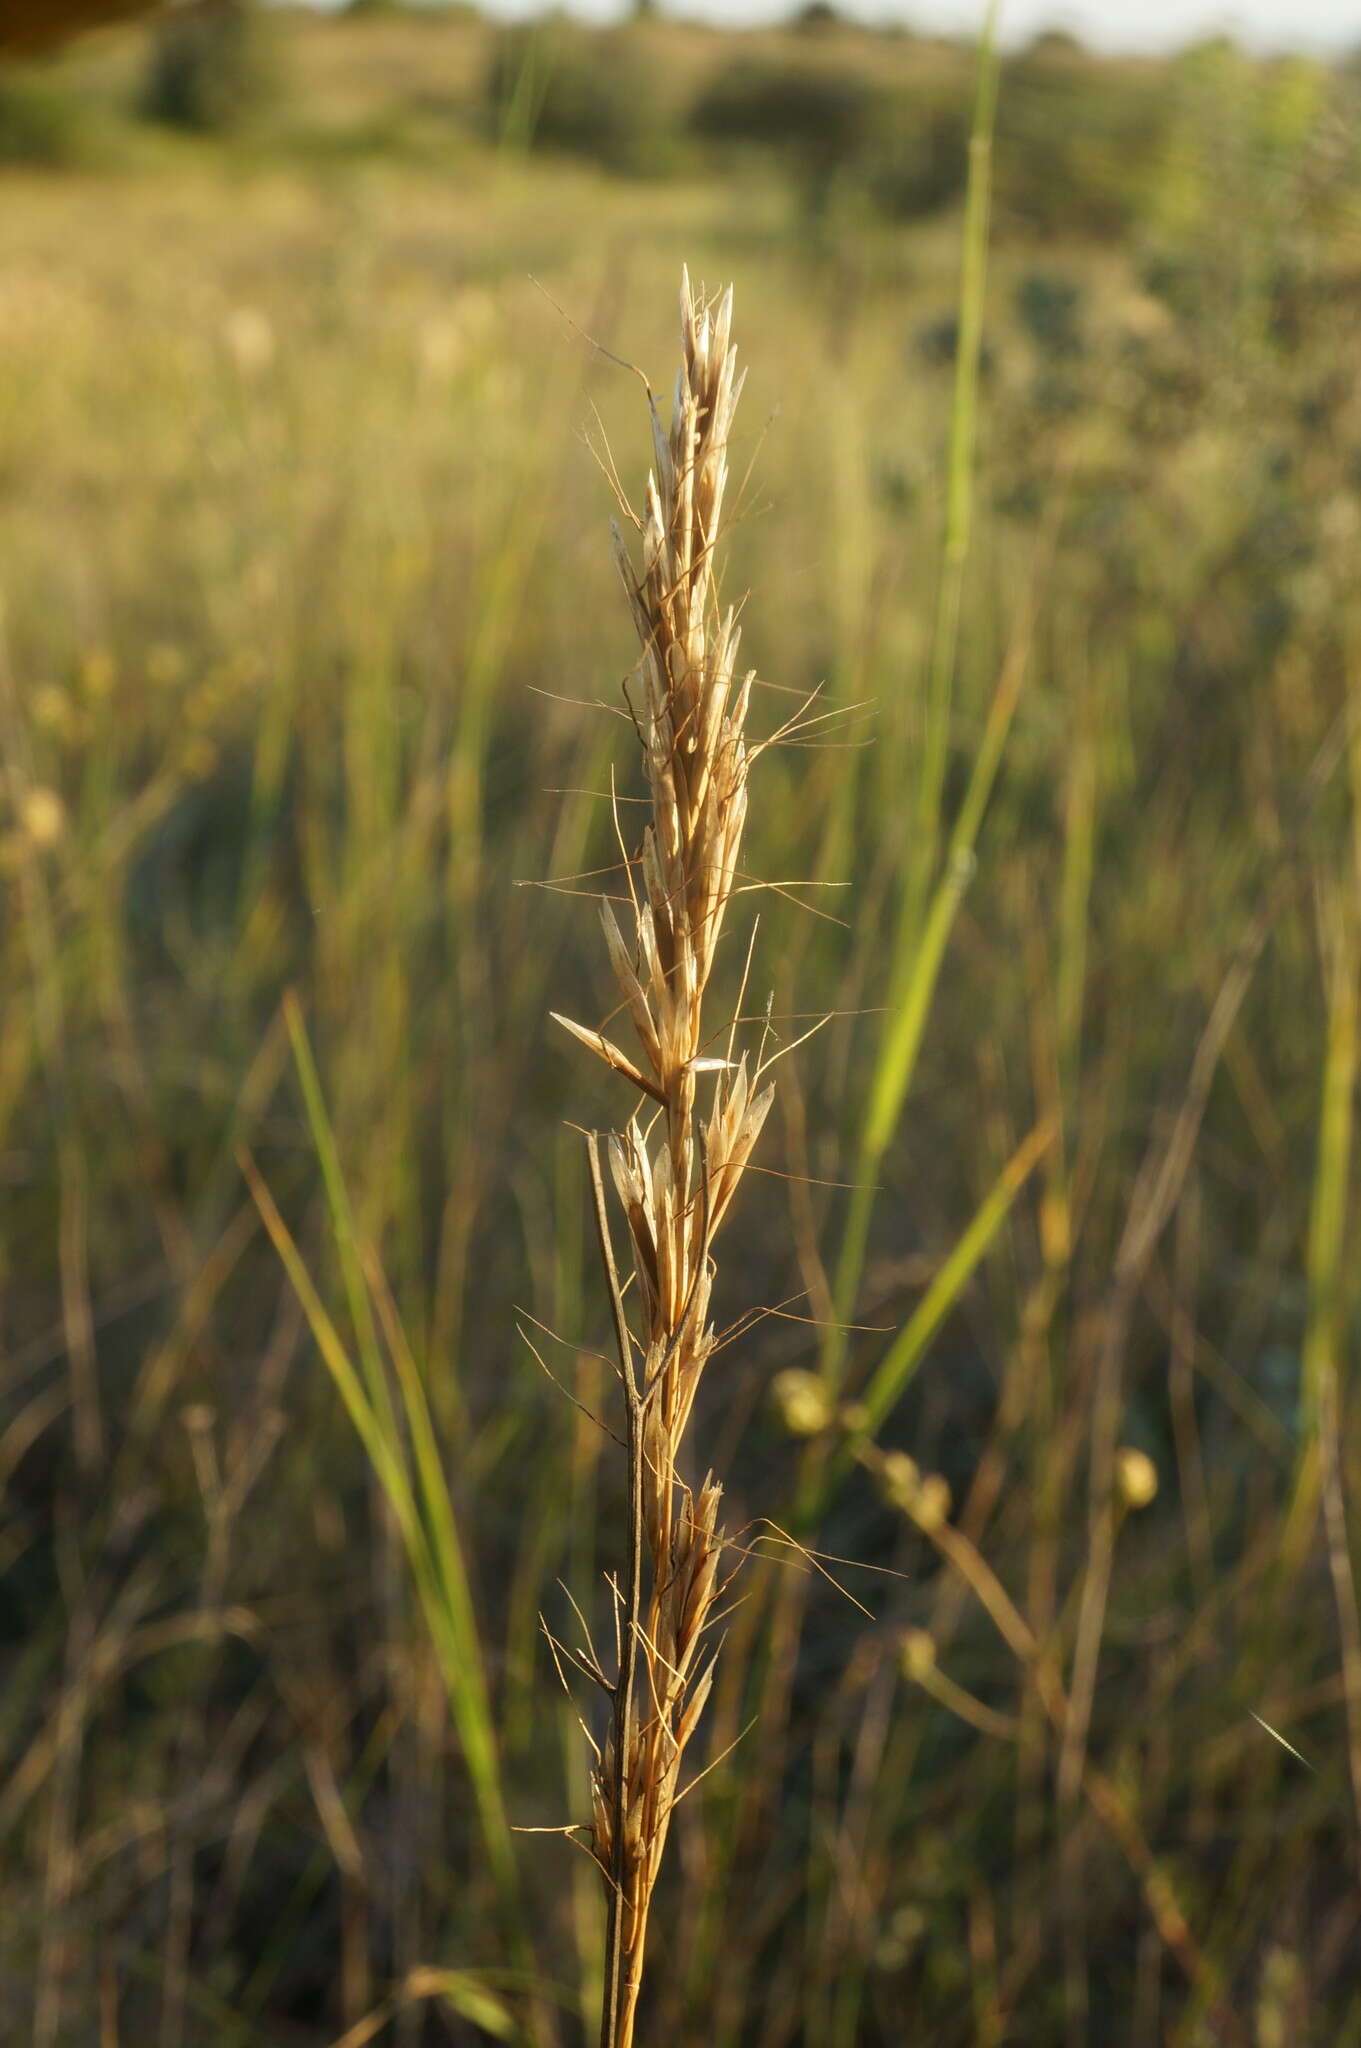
(1259, 192)
(817, 18)
(922, 159)
(819, 120)
(213, 67)
(1049, 307)
(836, 125)
(587, 93)
(1080, 145)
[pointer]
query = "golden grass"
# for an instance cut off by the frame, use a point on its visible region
(676, 1176)
(281, 461)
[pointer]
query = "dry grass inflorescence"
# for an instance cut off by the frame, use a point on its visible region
(677, 1171)
(281, 561)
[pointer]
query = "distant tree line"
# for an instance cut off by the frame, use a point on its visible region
(857, 120)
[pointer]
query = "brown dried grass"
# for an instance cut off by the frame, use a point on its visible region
(675, 1175)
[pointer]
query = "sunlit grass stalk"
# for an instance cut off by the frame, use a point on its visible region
(926, 918)
(963, 434)
(677, 1165)
(1331, 1288)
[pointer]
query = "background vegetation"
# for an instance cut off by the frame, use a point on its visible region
(306, 594)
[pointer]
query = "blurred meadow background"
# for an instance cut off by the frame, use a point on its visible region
(306, 606)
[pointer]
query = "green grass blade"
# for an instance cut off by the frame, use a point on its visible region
(1326, 1265)
(382, 1450)
(919, 943)
(459, 1643)
(435, 1557)
(909, 1012)
(342, 1220)
(898, 1366)
(427, 1521)
(1326, 1268)
(963, 437)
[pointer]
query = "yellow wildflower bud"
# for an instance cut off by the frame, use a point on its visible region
(1136, 1475)
(802, 1402)
(932, 1505)
(43, 817)
(918, 1653)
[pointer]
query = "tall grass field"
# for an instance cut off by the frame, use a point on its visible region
(1030, 1345)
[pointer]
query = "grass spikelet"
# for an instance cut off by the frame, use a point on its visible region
(676, 1178)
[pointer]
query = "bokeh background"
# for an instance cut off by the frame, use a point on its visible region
(307, 615)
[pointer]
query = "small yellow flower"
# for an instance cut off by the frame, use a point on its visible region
(43, 818)
(918, 1653)
(1136, 1475)
(932, 1506)
(900, 1480)
(802, 1402)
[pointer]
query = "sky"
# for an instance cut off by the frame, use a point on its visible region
(1323, 26)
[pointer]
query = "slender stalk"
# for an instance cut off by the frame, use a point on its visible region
(632, 1601)
(926, 914)
(1327, 1269)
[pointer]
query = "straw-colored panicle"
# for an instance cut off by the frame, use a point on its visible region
(676, 1173)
